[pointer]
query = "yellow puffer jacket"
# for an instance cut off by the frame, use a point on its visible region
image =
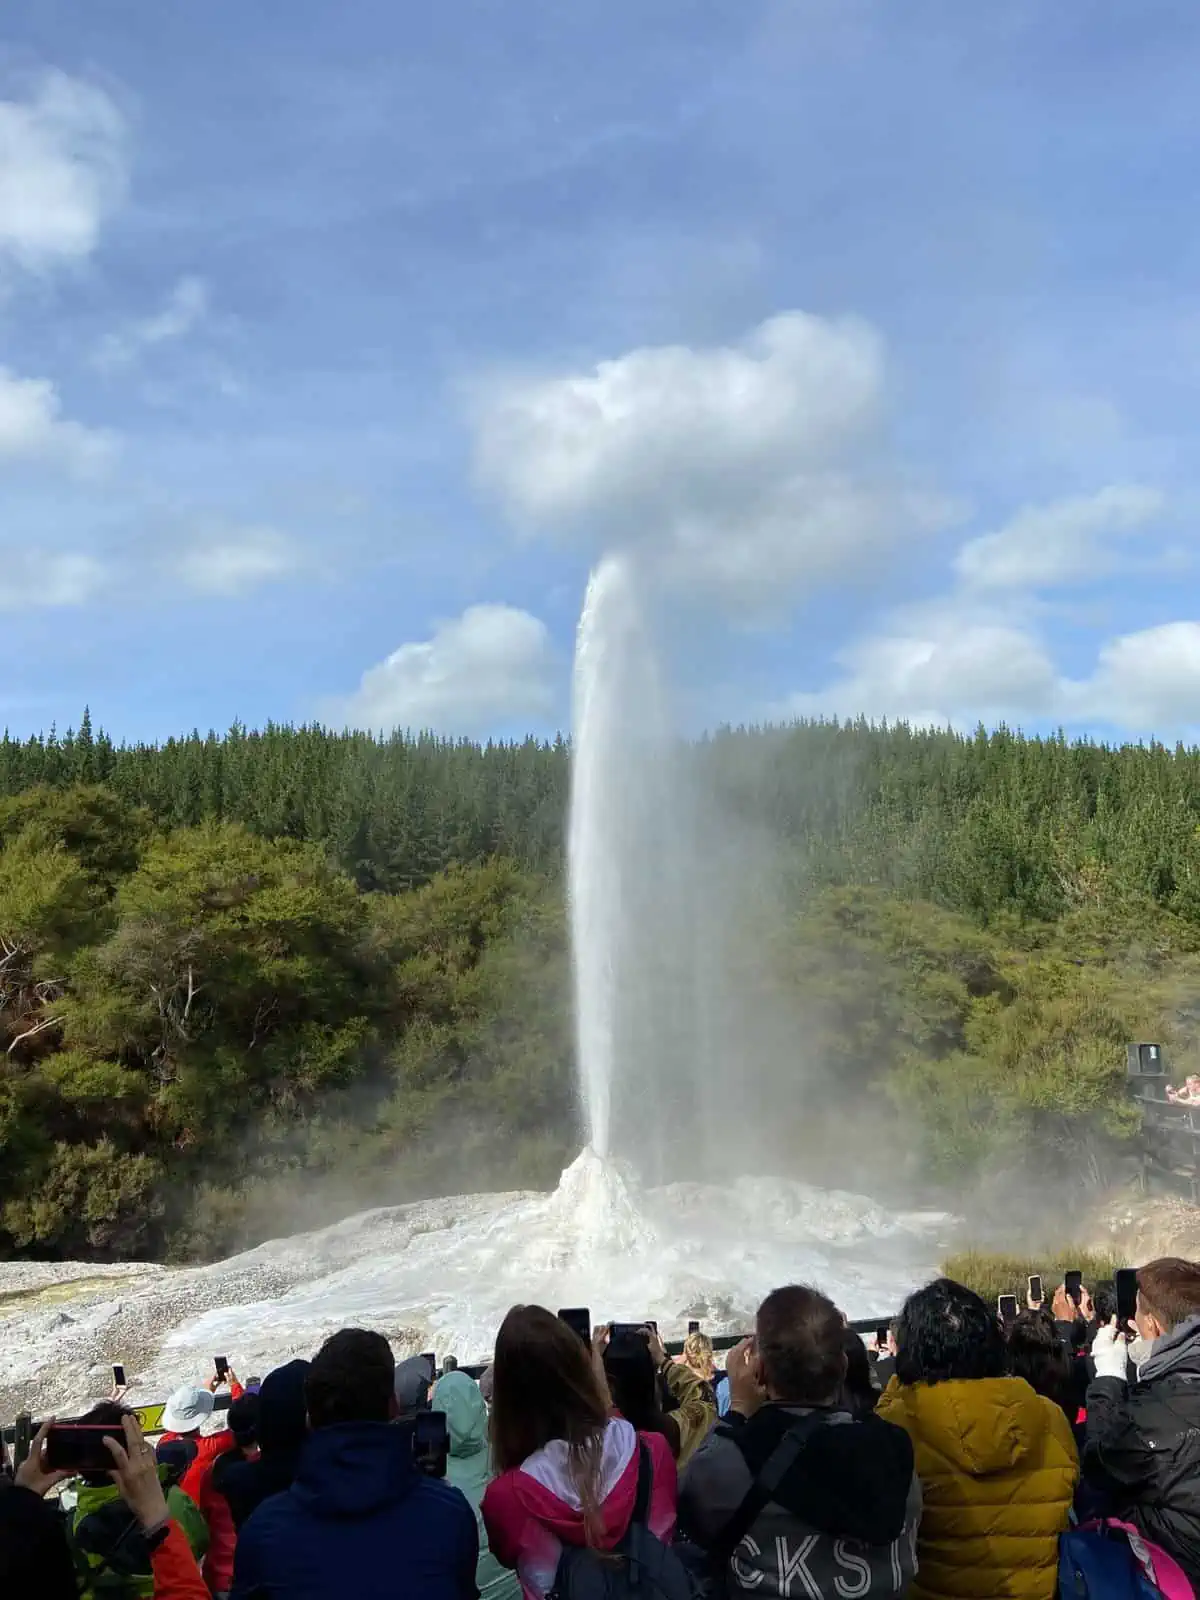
(998, 1469)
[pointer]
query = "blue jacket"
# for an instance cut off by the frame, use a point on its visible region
(359, 1520)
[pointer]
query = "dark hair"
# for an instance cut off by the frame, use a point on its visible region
(544, 1388)
(801, 1345)
(859, 1394)
(1037, 1354)
(633, 1384)
(107, 1414)
(1104, 1305)
(449, 1364)
(243, 1420)
(1170, 1290)
(351, 1379)
(947, 1332)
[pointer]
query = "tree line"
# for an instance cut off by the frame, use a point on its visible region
(239, 971)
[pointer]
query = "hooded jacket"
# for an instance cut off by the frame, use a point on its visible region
(843, 1520)
(358, 1520)
(533, 1510)
(1142, 1446)
(281, 1431)
(469, 1470)
(998, 1469)
(96, 1497)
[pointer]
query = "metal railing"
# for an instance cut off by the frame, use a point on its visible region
(22, 1431)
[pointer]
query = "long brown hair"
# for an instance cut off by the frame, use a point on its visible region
(545, 1389)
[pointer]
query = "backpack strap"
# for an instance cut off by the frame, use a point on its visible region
(760, 1493)
(645, 1483)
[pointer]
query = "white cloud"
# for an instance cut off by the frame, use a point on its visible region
(492, 665)
(1147, 681)
(63, 169)
(736, 468)
(947, 672)
(232, 561)
(36, 580)
(183, 309)
(1064, 542)
(32, 428)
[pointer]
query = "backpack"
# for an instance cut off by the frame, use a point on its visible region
(640, 1566)
(1110, 1560)
(709, 1569)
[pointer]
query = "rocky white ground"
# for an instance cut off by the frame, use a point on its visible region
(440, 1274)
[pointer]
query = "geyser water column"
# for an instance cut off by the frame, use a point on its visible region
(628, 881)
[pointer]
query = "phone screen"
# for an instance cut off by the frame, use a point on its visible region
(1127, 1292)
(579, 1320)
(1035, 1289)
(629, 1330)
(431, 1357)
(881, 1335)
(431, 1443)
(1073, 1284)
(1007, 1306)
(118, 1375)
(80, 1446)
(221, 1365)
(693, 1326)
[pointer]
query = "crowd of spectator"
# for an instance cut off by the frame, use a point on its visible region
(958, 1455)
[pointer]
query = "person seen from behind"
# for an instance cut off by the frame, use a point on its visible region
(469, 1470)
(791, 1494)
(1037, 1353)
(859, 1394)
(1142, 1442)
(997, 1462)
(359, 1518)
(635, 1364)
(281, 1427)
(183, 1418)
(567, 1470)
(35, 1556)
(100, 1522)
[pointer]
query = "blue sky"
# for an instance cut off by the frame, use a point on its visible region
(337, 342)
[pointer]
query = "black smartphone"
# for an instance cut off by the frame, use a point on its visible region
(221, 1367)
(882, 1334)
(1073, 1284)
(579, 1320)
(653, 1326)
(629, 1330)
(1127, 1293)
(79, 1446)
(431, 1443)
(431, 1357)
(1035, 1288)
(693, 1326)
(118, 1375)
(1006, 1305)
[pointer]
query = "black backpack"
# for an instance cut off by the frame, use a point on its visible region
(640, 1566)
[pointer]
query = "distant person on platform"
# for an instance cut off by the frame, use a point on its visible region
(1189, 1095)
(1142, 1443)
(360, 1520)
(790, 1495)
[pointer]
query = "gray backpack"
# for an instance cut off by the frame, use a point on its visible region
(640, 1567)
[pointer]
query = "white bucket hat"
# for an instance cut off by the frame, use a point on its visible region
(187, 1409)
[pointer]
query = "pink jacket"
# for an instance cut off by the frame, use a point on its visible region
(532, 1511)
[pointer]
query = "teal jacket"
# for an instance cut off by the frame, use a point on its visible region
(469, 1469)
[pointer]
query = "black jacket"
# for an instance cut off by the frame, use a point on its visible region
(282, 1430)
(1143, 1445)
(35, 1558)
(844, 1519)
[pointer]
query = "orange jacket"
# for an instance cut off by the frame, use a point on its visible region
(176, 1575)
(197, 1482)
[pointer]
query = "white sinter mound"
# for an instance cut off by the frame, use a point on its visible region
(440, 1275)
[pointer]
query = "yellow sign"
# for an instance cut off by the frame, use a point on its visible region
(149, 1418)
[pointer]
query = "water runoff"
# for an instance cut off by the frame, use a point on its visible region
(647, 1221)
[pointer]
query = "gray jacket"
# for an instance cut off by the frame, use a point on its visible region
(843, 1521)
